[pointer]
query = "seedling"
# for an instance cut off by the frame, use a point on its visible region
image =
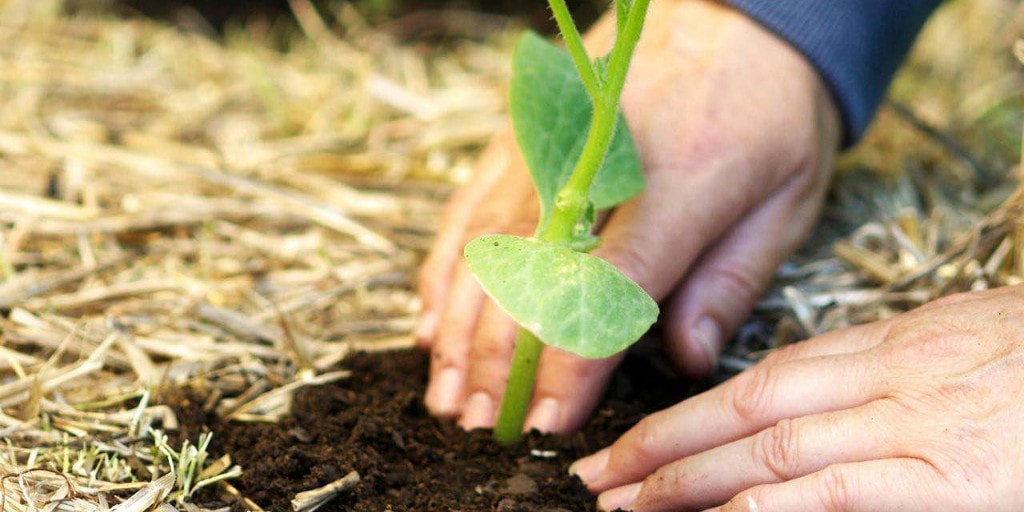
(565, 111)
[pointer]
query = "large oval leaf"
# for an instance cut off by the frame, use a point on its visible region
(551, 114)
(568, 299)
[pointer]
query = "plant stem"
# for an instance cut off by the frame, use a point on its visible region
(622, 53)
(519, 388)
(574, 44)
(572, 200)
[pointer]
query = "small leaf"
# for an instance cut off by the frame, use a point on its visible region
(601, 69)
(551, 114)
(570, 300)
(584, 227)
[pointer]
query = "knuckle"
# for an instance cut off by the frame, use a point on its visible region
(631, 259)
(490, 349)
(777, 449)
(836, 489)
(736, 282)
(643, 443)
(441, 359)
(708, 144)
(790, 352)
(913, 340)
(752, 396)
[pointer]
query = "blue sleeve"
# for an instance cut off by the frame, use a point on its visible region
(856, 45)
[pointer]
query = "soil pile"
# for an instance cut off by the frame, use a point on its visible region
(374, 423)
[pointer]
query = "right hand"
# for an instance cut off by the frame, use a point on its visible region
(737, 134)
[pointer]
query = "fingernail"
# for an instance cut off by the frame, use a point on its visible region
(544, 416)
(443, 394)
(426, 326)
(591, 467)
(619, 498)
(708, 336)
(479, 411)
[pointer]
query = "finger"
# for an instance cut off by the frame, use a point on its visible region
(858, 338)
(753, 400)
(788, 450)
(904, 484)
(568, 388)
(720, 291)
(450, 351)
(437, 270)
(490, 354)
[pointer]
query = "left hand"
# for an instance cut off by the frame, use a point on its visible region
(924, 411)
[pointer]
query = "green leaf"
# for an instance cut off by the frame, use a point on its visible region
(551, 114)
(570, 300)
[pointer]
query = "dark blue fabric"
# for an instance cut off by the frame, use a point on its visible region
(856, 45)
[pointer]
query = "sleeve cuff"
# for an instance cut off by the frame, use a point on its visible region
(856, 45)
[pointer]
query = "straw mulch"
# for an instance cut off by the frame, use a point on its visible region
(177, 212)
(232, 219)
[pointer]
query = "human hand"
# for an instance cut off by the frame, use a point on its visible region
(919, 412)
(737, 135)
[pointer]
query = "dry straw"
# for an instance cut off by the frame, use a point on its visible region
(220, 218)
(214, 225)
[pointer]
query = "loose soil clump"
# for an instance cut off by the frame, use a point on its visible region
(374, 423)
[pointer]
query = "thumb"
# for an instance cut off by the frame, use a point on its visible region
(722, 287)
(655, 237)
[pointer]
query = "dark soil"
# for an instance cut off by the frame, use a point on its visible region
(375, 423)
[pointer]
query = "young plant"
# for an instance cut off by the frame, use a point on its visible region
(565, 111)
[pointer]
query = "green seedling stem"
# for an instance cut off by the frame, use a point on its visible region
(604, 86)
(574, 43)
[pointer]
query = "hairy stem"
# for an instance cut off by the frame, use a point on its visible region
(574, 44)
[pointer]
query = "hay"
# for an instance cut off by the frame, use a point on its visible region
(229, 219)
(177, 213)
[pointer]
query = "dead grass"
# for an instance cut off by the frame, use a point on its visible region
(928, 204)
(176, 212)
(181, 213)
